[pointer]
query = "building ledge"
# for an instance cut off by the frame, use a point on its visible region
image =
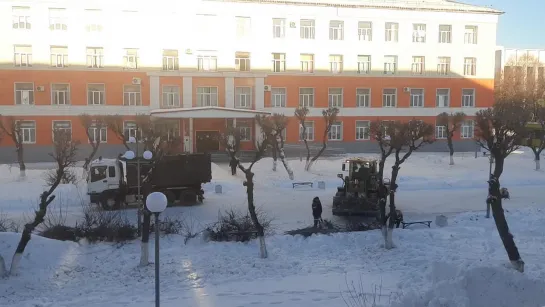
(207, 112)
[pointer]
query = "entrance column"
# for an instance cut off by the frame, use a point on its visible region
(191, 143)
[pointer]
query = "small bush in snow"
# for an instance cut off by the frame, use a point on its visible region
(184, 226)
(69, 177)
(7, 224)
(234, 225)
(60, 232)
(109, 226)
(355, 225)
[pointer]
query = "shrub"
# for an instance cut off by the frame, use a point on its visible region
(234, 225)
(7, 224)
(185, 226)
(109, 226)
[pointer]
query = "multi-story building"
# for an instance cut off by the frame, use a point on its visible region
(532, 60)
(205, 64)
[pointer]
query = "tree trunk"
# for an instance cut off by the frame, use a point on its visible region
(308, 155)
(393, 214)
(94, 150)
(451, 150)
(21, 160)
(381, 168)
(274, 155)
(251, 207)
(144, 247)
(383, 219)
(500, 219)
(318, 155)
(537, 158)
(285, 162)
(3, 271)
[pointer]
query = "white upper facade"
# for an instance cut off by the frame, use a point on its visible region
(399, 32)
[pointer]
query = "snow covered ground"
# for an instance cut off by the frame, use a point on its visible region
(463, 264)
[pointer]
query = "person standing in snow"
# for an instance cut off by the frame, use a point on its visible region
(317, 211)
(233, 164)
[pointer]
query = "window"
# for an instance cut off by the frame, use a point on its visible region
(93, 22)
(307, 28)
(243, 27)
(306, 97)
(279, 27)
(130, 59)
(365, 31)
(443, 65)
(22, 55)
(336, 132)
(278, 97)
(207, 96)
(364, 64)
(279, 62)
(58, 19)
(28, 131)
(245, 133)
(418, 67)
(132, 95)
(207, 62)
(60, 94)
(170, 59)
(392, 30)
(442, 98)
(445, 34)
(24, 93)
(419, 33)
(111, 171)
(389, 97)
(467, 129)
(417, 97)
(468, 97)
(98, 173)
(440, 132)
(170, 127)
(363, 97)
(242, 61)
(335, 97)
(470, 35)
(95, 57)
(243, 97)
(336, 63)
(62, 126)
(59, 56)
(130, 129)
(336, 32)
(470, 66)
(362, 130)
(390, 64)
(21, 17)
(309, 135)
(307, 62)
(171, 96)
(98, 133)
(96, 94)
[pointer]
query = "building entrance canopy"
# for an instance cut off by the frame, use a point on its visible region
(206, 112)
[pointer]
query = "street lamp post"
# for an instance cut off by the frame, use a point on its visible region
(156, 203)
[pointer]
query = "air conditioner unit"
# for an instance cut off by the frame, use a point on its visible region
(40, 88)
(267, 88)
(188, 51)
(136, 81)
(292, 24)
(407, 89)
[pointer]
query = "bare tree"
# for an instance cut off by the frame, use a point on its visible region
(271, 128)
(500, 130)
(536, 132)
(115, 124)
(452, 123)
(330, 117)
(64, 154)
(11, 127)
(405, 138)
(90, 122)
(301, 114)
(378, 131)
(261, 146)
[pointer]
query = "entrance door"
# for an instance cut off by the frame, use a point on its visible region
(207, 141)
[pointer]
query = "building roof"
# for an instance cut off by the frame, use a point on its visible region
(417, 5)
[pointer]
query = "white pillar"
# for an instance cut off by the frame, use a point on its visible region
(234, 122)
(191, 138)
(154, 93)
(259, 93)
(230, 92)
(187, 96)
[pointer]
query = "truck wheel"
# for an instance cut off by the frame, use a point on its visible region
(171, 197)
(109, 202)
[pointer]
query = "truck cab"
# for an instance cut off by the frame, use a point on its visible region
(104, 179)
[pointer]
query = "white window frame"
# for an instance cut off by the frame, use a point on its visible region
(95, 57)
(22, 58)
(243, 97)
(309, 131)
(307, 29)
(336, 30)
(207, 62)
(58, 19)
(279, 63)
(336, 63)
(245, 133)
(438, 98)
(365, 31)
(306, 99)
(335, 98)
(278, 97)
(171, 62)
(363, 100)
(445, 36)
(390, 64)
(470, 66)
(468, 101)
(418, 65)
(440, 132)
(102, 133)
(132, 97)
(364, 64)
(279, 27)
(443, 67)
(336, 132)
(130, 129)
(419, 33)
(362, 130)
(59, 56)
(207, 96)
(97, 95)
(471, 35)
(391, 32)
(242, 61)
(417, 98)
(28, 133)
(21, 16)
(131, 58)
(60, 97)
(53, 128)
(171, 98)
(307, 65)
(93, 20)
(243, 27)
(389, 100)
(24, 92)
(467, 129)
